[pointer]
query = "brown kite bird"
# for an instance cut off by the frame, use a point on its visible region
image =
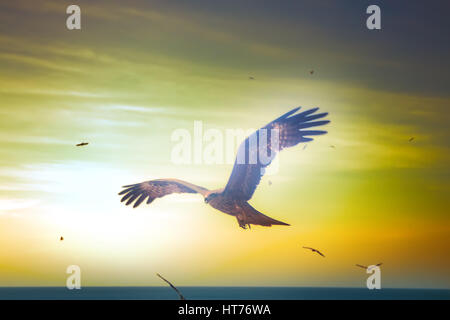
(254, 155)
(314, 250)
(172, 286)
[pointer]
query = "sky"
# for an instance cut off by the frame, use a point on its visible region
(138, 71)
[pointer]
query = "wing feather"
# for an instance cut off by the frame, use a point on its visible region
(246, 174)
(157, 189)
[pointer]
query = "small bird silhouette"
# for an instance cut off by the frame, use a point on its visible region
(314, 250)
(172, 286)
(311, 72)
(251, 78)
(61, 238)
(365, 267)
(411, 139)
(82, 144)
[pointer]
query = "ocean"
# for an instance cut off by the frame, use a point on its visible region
(219, 293)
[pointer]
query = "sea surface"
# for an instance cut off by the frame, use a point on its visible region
(220, 293)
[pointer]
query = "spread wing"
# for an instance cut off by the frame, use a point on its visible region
(172, 286)
(320, 253)
(157, 189)
(260, 148)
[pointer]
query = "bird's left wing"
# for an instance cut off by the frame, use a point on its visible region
(156, 189)
(172, 286)
(260, 148)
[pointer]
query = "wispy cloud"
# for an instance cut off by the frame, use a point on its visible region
(7, 205)
(142, 109)
(43, 63)
(11, 138)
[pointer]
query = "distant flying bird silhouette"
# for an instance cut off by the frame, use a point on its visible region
(172, 286)
(411, 139)
(246, 175)
(61, 239)
(82, 144)
(365, 267)
(332, 147)
(251, 78)
(314, 250)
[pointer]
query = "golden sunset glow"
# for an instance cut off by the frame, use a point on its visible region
(135, 72)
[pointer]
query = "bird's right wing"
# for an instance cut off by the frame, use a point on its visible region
(259, 149)
(157, 189)
(172, 286)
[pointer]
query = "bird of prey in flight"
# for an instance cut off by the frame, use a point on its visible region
(314, 250)
(365, 267)
(82, 144)
(288, 130)
(172, 286)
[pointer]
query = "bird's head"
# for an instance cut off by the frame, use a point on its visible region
(210, 196)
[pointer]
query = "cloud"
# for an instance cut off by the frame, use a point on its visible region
(17, 204)
(12, 138)
(131, 108)
(37, 62)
